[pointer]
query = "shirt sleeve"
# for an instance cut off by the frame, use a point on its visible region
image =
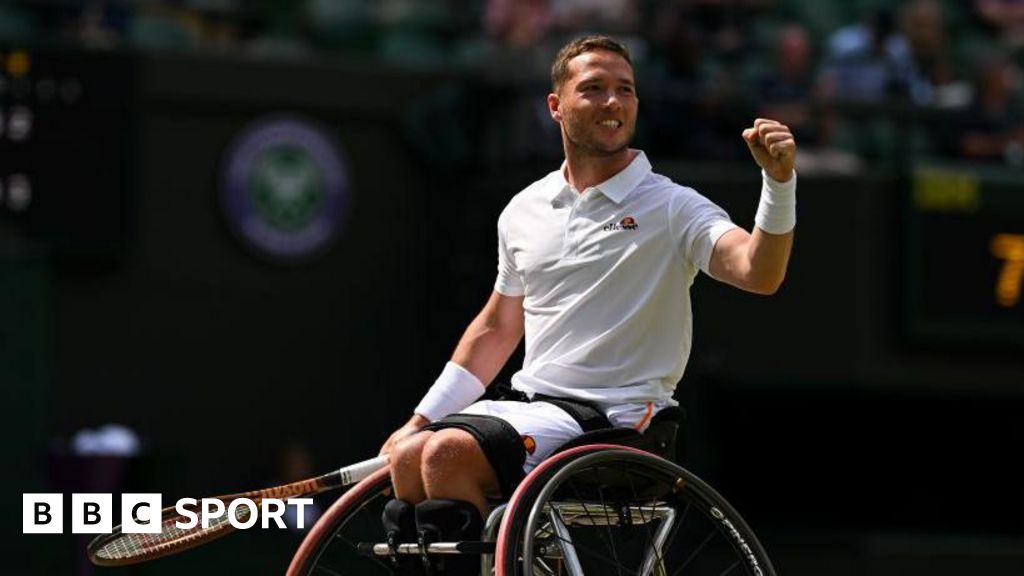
(509, 282)
(697, 223)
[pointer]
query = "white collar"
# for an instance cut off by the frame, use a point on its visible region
(618, 187)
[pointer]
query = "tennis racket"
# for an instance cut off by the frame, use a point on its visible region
(120, 549)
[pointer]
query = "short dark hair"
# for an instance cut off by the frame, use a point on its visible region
(560, 67)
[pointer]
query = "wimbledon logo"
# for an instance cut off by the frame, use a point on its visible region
(284, 188)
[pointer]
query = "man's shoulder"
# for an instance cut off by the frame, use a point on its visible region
(542, 188)
(546, 184)
(661, 188)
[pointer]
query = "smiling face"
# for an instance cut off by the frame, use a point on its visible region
(596, 104)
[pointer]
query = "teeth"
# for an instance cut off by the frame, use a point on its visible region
(611, 123)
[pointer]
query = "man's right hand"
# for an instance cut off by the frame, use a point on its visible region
(411, 427)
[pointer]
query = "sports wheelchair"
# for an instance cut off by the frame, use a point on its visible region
(607, 502)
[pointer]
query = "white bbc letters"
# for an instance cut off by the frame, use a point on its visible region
(42, 513)
(91, 513)
(142, 513)
(143, 507)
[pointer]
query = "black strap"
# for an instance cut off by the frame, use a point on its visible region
(507, 392)
(587, 416)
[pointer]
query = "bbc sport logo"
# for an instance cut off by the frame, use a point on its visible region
(141, 513)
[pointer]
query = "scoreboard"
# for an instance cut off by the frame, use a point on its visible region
(964, 256)
(66, 153)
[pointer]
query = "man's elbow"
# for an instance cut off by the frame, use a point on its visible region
(766, 286)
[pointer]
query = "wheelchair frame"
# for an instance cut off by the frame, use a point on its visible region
(542, 531)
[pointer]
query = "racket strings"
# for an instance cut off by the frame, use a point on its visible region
(120, 549)
(130, 546)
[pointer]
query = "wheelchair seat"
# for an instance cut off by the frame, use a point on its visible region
(659, 438)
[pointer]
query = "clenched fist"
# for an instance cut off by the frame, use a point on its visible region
(773, 148)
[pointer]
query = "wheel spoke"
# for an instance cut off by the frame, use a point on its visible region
(631, 514)
(608, 528)
(656, 549)
(695, 553)
(606, 535)
(730, 568)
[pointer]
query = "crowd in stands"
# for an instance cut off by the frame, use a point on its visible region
(859, 81)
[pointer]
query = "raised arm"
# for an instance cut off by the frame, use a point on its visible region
(482, 351)
(757, 261)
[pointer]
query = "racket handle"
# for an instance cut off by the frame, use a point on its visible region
(357, 472)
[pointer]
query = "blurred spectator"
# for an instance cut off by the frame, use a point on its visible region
(994, 126)
(692, 104)
(518, 23)
(727, 25)
(784, 92)
(414, 12)
(874, 62)
(536, 29)
(618, 17)
(518, 39)
(925, 70)
(704, 66)
(515, 61)
(858, 61)
(1006, 17)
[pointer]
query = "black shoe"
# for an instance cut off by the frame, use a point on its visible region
(449, 521)
(399, 519)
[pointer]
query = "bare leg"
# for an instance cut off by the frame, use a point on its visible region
(406, 464)
(454, 467)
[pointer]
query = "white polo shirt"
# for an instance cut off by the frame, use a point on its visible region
(606, 276)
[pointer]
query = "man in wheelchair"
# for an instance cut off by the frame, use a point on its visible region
(595, 261)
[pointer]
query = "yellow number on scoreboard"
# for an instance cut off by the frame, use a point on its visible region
(1009, 247)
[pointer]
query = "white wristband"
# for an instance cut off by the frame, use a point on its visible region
(776, 214)
(455, 389)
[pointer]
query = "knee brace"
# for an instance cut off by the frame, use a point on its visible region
(449, 521)
(399, 520)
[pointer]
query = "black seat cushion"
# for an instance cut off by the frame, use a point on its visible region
(659, 438)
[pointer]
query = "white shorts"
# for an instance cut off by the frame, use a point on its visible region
(544, 427)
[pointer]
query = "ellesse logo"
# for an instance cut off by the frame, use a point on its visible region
(627, 223)
(530, 444)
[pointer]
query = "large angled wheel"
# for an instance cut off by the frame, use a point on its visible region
(330, 547)
(608, 510)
